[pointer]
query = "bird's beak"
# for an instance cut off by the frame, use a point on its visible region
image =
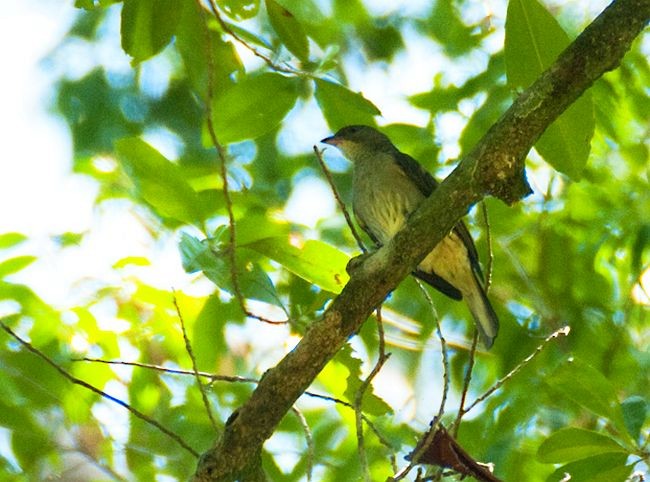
(331, 140)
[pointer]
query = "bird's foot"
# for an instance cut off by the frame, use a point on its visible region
(356, 262)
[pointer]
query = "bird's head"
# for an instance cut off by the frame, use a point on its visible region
(357, 142)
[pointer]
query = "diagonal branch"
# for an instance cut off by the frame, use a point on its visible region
(495, 167)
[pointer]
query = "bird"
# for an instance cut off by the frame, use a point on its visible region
(387, 186)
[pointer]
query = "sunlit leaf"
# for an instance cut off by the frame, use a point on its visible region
(315, 261)
(8, 240)
(240, 9)
(13, 265)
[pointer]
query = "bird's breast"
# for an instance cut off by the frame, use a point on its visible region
(383, 198)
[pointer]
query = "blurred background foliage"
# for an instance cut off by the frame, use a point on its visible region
(286, 73)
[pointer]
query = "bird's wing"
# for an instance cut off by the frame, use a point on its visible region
(416, 173)
(426, 184)
(366, 229)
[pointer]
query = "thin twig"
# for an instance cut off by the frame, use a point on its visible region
(188, 348)
(174, 371)
(358, 399)
(443, 349)
(226, 28)
(101, 393)
(466, 381)
(309, 439)
(339, 200)
(238, 379)
(472, 354)
(564, 331)
(490, 253)
(445, 392)
(428, 439)
(223, 156)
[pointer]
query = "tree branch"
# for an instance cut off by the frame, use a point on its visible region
(495, 166)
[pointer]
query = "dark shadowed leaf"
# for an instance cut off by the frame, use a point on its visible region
(342, 107)
(570, 444)
(289, 30)
(635, 411)
(600, 468)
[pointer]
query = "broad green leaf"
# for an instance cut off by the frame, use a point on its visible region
(240, 9)
(314, 261)
(16, 264)
(589, 388)
(253, 282)
(159, 181)
(192, 39)
(635, 411)
(372, 404)
(569, 444)
(341, 106)
(600, 468)
(147, 26)
(9, 240)
(289, 30)
(253, 107)
(533, 41)
(257, 225)
(208, 334)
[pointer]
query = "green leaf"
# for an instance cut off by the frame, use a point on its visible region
(589, 388)
(147, 26)
(314, 261)
(253, 282)
(288, 29)
(9, 240)
(253, 107)
(16, 264)
(159, 181)
(533, 41)
(641, 243)
(566, 143)
(570, 444)
(68, 239)
(192, 33)
(372, 404)
(342, 107)
(240, 9)
(635, 411)
(600, 468)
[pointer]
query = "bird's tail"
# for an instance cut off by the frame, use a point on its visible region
(486, 319)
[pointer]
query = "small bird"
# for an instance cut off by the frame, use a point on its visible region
(387, 186)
